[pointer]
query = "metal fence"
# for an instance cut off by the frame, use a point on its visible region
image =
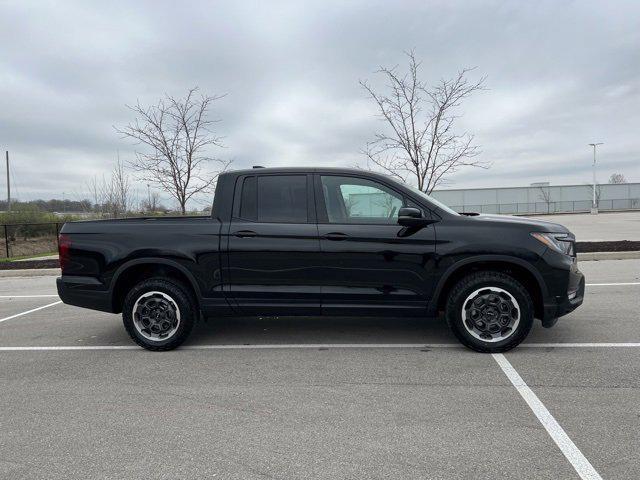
(28, 239)
(569, 206)
(541, 198)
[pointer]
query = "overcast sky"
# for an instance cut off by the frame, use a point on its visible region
(561, 74)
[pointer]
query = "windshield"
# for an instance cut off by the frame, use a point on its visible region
(432, 200)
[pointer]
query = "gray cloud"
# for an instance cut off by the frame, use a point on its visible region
(561, 74)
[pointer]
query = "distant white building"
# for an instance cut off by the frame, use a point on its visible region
(541, 198)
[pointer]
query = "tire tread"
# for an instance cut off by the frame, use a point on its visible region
(474, 280)
(181, 294)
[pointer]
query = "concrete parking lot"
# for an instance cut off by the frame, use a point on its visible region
(319, 398)
(605, 226)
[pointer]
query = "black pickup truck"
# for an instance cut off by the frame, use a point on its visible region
(320, 241)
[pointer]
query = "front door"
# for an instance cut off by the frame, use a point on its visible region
(273, 246)
(371, 265)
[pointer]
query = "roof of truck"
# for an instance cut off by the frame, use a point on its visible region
(263, 170)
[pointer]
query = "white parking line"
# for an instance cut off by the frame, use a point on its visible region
(611, 284)
(70, 348)
(28, 296)
(285, 346)
(29, 311)
(553, 428)
(581, 345)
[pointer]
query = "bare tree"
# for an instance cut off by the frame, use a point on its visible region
(545, 196)
(121, 186)
(617, 178)
(104, 197)
(421, 143)
(598, 192)
(93, 185)
(176, 133)
(152, 202)
(111, 196)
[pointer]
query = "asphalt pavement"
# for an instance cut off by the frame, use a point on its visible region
(319, 398)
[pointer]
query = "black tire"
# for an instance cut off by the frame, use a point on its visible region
(466, 287)
(169, 291)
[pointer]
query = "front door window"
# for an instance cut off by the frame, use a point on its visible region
(351, 200)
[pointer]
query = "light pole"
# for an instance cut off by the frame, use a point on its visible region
(594, 206)
(8, 185)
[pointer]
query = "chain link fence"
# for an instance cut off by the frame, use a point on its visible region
(570, 206)
(28, 239)
(541, 199)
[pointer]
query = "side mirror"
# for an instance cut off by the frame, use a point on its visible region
(412, 217)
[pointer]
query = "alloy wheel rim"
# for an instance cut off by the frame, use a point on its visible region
(491, 314)
(156, 316)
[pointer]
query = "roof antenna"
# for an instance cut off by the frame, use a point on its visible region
(258, 166)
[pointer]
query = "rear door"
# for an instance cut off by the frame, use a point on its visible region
(273, 248)
(371, 265)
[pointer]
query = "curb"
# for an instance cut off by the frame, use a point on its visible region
(30, 272)
(589, 256)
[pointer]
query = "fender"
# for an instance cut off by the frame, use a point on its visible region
(155, 261)
(485, 258)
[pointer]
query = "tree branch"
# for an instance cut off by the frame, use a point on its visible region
(421, 145)
(174, 135)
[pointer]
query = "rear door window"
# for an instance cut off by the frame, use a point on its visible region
(282, 199)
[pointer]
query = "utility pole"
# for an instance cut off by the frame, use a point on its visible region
(594, 206)
(8, 184)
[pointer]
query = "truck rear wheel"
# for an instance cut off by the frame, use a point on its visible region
(159, 314)
(489, 312)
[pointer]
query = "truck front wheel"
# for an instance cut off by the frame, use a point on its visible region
(489, 311)
(159, 314)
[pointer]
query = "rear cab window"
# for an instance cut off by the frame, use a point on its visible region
(274, 199)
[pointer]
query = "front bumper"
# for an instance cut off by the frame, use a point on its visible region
(556, 307)
(87, 292)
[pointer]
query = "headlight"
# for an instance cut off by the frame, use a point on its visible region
(560, 242)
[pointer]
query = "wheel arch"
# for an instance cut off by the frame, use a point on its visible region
(516, 267)
(134, 271)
